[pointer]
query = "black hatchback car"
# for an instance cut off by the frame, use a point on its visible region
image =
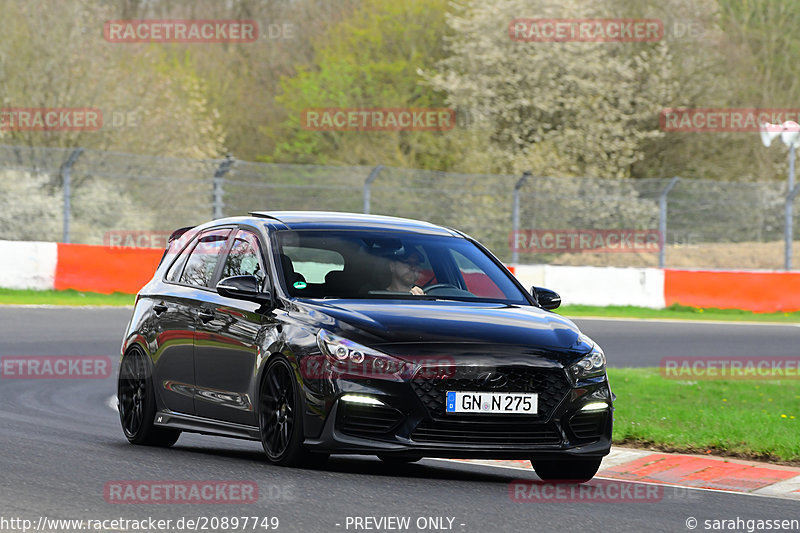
(320, 333)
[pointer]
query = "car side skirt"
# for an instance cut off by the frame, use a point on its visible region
(206, 426)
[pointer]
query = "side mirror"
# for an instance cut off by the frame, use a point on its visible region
(243, 288)
(546, 298)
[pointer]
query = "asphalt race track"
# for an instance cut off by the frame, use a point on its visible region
(61, 444)
(645, 342)
(49, 331)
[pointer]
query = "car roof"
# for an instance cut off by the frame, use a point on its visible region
(297, 220)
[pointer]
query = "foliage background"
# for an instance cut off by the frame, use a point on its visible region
(562, 109)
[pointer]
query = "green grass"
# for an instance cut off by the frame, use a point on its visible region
(677, 312)
(757, 420)
(68, 297)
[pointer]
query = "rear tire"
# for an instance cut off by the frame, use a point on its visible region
(280, 418)
(137, 403)
(572, 470)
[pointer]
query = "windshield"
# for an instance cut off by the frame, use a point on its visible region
(389, 264)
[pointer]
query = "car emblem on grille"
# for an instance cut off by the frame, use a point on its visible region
(492, 380)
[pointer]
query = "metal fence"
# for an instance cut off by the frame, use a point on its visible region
(76, 195)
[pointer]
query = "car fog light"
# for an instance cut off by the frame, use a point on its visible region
(364, 400)
(595, 406)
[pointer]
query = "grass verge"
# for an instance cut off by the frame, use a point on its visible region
(68, 297)
(758, 420)
(71, 297)
(678, 312)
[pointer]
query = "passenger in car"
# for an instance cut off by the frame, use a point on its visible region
(405, 269)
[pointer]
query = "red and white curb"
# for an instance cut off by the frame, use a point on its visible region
(689, 471)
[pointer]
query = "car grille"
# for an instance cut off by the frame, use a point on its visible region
(549, 383)
(491, 433)
(589, 425)
(367, 420)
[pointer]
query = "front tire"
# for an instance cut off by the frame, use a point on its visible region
(571, 470)
(137, 403)
(280, 418)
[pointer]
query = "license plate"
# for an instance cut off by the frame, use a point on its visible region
(517, 403)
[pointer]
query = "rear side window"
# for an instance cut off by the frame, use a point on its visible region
(176, 269)
(202, 260)
(244, 258)
(174, 272)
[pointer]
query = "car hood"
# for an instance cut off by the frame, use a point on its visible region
(385, 322)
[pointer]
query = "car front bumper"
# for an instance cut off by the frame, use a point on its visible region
(410, 421)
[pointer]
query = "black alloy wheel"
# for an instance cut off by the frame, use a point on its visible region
(280, 418)
(137, 404)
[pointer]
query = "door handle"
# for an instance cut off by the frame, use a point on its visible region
(160, 308)
(205, 316)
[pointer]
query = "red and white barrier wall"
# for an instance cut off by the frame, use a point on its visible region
(49, 265)
(641, 287)
(106, 269)
(28, 265)
(759, 291)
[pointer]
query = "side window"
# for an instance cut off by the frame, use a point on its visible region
(174, 272)
(245, 258)
(179, 246)
(203, 259)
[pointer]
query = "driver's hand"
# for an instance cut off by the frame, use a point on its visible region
(417, 290)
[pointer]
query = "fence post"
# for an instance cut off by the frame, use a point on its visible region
(367, 184)
(515, 216)
(789, 229)
(662, 221)
(219, 181)
(66, 180)
(788, 214)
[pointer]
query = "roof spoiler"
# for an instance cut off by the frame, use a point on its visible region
(177, 234)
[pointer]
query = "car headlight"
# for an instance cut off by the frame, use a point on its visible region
(350, 358)
(591, 365)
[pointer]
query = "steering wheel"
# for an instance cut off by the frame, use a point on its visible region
(435, 286)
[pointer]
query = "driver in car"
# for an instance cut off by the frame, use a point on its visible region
(405, 269)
